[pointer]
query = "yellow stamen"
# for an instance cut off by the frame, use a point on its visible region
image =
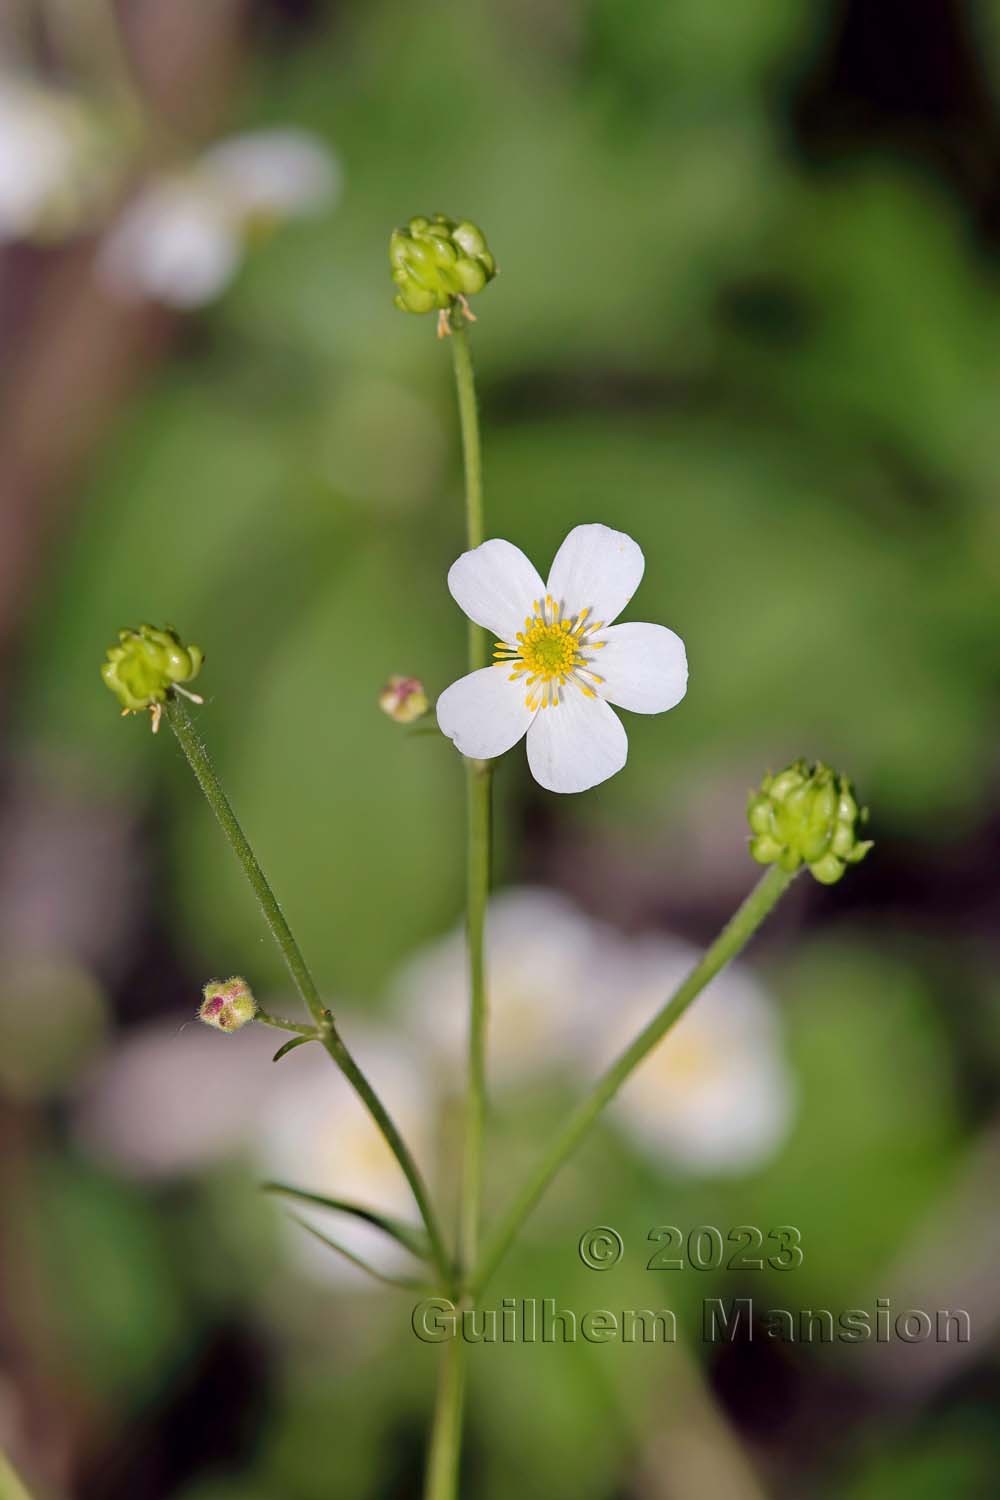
(550, 653)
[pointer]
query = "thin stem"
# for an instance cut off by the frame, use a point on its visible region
(733, 937)
(204, 772)
(281, 1024)
(441, 1482)
(479, 776)
(468, 416)
(334, 1044)
(446, 1434)
(479, 813)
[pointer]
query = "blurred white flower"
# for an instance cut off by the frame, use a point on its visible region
(172, 1097)
(272, 173)
(565, 992)
(56, 163)
(182, 238)
(539, 951)
(314, 1133)
(716, 1095)
(174, 243)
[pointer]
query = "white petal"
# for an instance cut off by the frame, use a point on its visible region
(484, 713)
(644, 667)
(576, 744)
(496, 585)
(596, 567)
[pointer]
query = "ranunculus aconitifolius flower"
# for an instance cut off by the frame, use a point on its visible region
(559, 661)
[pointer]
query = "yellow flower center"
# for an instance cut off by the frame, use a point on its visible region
(551, 652)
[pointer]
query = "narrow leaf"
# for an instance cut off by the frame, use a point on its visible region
(409, 1236)
(408, 1283)
(293, 1042)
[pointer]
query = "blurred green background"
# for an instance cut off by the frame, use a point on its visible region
(747, 312)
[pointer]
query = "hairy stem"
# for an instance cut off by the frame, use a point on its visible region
(204, 772)
(281, 1023)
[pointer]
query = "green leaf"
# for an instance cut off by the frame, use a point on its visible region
(408, 1235)
(409, 1283)
(291, 1044)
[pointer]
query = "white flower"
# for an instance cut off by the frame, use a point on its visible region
(174, 243)
(716, 1094)
(181, 240)
(272, 173)
(551, 639)
(53, 165)
(539, 953)
(314, 1133)
(173, 1098)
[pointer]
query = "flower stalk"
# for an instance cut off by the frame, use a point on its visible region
(731, 940)
(479, 776)
(446, 1431)
(204, 773)
(468, 414)
(441, 1481)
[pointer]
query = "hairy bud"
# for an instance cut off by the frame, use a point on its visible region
(227, 1006)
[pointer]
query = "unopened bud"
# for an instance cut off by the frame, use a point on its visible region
(436, 262)
(404, 699)
(807, 815)
(227, 1006)
(145, 664)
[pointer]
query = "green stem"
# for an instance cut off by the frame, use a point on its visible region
(446, 1433)
(733, 937)
(478, 784)
(441, 1482)
(479, 776)
(468, 416)
(204, 772)
(280, 1023)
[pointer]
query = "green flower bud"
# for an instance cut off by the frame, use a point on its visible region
(227, 1006)
(807, 815)
(437, 262)
(145, 665)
